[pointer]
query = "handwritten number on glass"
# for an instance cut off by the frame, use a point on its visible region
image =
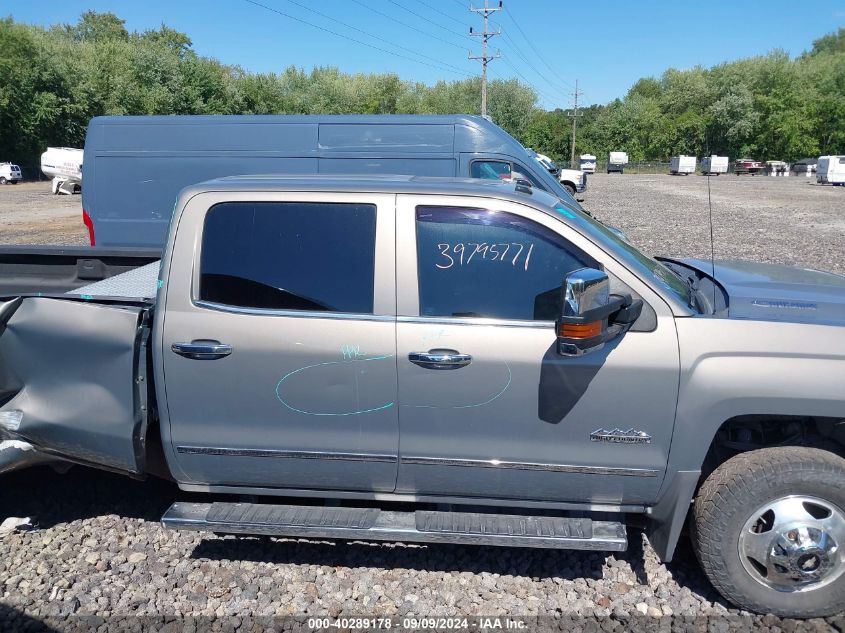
(463, 254)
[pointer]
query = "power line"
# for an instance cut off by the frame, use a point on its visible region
(422, 17)
(484, 58)
(536, 52)
(409, 26)
(531, 66)
(539, 92)
(444, 14)
(440, 65)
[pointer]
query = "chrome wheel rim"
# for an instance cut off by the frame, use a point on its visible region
(794, 543)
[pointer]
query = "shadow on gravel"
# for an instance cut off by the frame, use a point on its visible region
(15, 621)
(50, 498)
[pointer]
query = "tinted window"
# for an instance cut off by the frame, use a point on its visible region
(480, 263)
(490, 170)
(289, 256)
(497, 169)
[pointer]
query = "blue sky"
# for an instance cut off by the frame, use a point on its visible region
(606, 45)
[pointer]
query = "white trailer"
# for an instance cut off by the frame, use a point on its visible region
(616, 161)
(831, 170)
(714, 165)
(64, 166)
(588, 163)
(684, 165)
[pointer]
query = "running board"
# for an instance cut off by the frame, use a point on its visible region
(471, 528)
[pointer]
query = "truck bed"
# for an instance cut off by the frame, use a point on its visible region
(52, 270)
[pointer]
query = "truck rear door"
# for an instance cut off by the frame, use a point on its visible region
(278, 342)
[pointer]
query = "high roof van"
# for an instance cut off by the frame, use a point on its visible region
(136, 165)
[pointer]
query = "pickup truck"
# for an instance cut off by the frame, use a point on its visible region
(445, 360)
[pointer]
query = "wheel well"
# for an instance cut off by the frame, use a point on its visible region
(750, 432)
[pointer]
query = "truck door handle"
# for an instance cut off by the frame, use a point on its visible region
(440, 359)
(202, 349)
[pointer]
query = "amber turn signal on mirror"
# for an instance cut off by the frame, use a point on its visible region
(581, 330)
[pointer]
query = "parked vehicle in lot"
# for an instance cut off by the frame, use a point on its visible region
(136, 165)
(508, 365)
(747, 166)
(573, 180)
(10, 174)
(805, 167)
(776, 168)
(616, 162)
(682, 165)
(831, 170)
(588, 163)
(714, 165)
(64, 166)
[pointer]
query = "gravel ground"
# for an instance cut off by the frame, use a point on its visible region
(98, 550)
(779, 220)
(31, 214)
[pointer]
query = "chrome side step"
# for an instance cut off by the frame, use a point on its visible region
(472, 528)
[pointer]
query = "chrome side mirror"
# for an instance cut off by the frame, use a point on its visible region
(590, 315)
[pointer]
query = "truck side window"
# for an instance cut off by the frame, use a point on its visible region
(491, 264)
(289, 256)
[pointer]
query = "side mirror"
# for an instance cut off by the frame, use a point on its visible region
(591, 316)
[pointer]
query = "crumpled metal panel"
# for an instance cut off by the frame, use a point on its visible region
(69, 368)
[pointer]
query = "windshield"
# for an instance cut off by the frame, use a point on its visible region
(660, 274)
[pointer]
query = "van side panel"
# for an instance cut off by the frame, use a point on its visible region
(414, 166)
(370, 137)
(134, 194)
(135, 168)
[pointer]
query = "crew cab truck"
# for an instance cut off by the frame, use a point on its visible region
(446, 360)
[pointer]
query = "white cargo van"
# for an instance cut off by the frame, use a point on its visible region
(10, 173)
(831, 170)
(684, 165)
(714, 165)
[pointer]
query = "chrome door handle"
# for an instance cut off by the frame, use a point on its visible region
(440, 359)
(202, 349)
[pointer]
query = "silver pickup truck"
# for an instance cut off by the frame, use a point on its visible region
(440, 360)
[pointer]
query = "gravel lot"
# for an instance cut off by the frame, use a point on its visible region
(99, 551)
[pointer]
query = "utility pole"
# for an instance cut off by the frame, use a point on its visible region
(574, 117)
(485, 35)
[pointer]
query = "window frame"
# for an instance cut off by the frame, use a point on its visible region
(280, 210)
(183, 261)
(541, 233)
(407, 283)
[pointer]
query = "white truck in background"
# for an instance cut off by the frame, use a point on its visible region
(616, 161)
(588, 163)
(573, 180)
(714, 165)
(681, 164)
(831, 170)
(64, 166)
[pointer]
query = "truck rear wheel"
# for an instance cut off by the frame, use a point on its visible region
(570, 189)
(768, 527)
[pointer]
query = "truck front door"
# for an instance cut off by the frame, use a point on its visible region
(278, 342)
(487, 406)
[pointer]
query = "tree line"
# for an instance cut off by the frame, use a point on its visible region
(54, 80)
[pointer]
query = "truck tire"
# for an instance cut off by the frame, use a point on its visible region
(569, 189)
(768, 527)
(2, 180)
